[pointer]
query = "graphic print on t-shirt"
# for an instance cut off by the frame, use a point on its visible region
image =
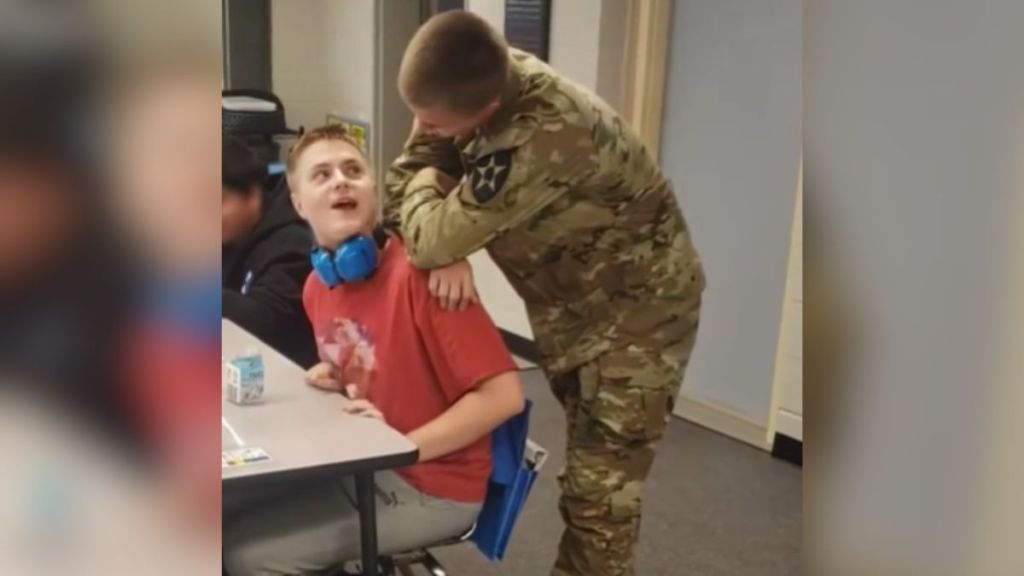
(346, 344)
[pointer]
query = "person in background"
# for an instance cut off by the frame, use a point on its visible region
(265, 254)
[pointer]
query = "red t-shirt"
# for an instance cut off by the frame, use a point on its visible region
(411, 359)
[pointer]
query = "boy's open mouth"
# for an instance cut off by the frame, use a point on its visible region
(346, 204)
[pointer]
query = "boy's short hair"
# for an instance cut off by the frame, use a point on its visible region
(242, 167)
(455, 61)
(329, 132)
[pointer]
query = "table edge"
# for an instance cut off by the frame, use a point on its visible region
(374, 464)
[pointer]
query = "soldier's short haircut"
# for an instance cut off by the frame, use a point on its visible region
(456, 61)
(330, 132)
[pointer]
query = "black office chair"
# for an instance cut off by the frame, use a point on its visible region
(258, 129)
(403, 563)
(511, 479)
(251, 123)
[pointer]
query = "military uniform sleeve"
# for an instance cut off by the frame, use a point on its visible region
(420, 152)
(503, 189)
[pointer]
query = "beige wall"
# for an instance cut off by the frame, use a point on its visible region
(297, 56)
(323, 59)
(349, 29)
(491, 10)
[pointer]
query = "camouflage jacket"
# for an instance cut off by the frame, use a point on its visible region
(570, 205)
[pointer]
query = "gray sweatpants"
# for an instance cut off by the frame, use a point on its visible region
(317, 528)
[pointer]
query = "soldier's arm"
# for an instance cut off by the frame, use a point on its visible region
(503, 190)
(421, 151)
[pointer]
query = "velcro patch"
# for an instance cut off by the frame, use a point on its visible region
(489, 175)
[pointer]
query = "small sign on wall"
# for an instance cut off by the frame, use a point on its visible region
(528, 25)
(359, 130)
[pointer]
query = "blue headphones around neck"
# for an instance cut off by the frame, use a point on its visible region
(355, 260)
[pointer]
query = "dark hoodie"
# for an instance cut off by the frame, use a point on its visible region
(263, 277)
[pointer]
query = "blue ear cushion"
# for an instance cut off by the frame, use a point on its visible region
(323, 265)
(356, 259)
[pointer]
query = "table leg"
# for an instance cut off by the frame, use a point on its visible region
(367, 522)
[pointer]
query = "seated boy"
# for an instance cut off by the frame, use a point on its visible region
(443, 378)
(265, 255)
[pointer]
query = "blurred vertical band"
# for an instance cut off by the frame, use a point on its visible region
(109, 266)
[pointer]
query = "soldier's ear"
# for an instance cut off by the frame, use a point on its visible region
(488, 111)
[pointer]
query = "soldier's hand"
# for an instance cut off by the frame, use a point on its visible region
(446, 182)
(453, 285)
(325, 377)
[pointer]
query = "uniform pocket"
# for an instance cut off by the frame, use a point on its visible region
(582, 391)
(658, 405)
(634, 395)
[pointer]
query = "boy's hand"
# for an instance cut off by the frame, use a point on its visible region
(324, 376)
(360, 406)
(453, 285)
(364, 408)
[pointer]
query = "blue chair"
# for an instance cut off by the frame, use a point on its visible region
(516, 462)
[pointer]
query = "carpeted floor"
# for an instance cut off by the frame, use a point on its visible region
(715, 507)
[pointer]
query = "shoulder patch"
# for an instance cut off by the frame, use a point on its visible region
(489, 175)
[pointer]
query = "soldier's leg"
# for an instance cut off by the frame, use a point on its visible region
(566, 388)
(616, 413)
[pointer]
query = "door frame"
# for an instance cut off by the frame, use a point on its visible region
(648, 28)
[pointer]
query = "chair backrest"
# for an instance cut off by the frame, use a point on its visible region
(511, 480)
(254, 93)
(516, 462)
(242, 115)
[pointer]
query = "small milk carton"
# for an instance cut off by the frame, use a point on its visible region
(243, 379)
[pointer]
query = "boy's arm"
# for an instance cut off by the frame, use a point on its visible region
(421, 151)
(503, 190)
(472, 417)
(272, 304)
(476, 374)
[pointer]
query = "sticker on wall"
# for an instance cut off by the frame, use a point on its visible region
(357, 128)
(528, 25)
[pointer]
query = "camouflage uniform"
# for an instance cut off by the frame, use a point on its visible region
(578, 216)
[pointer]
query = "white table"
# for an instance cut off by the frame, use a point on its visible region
(306, 432)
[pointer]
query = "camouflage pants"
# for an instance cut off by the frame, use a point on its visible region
(617, 407)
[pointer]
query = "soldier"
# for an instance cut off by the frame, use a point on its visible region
(509, 156)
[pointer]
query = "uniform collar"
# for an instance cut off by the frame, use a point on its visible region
(509, 96)
(512, 85)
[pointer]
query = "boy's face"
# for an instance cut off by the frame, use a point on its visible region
(239, 213)
(437, 121)
(334, 191)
